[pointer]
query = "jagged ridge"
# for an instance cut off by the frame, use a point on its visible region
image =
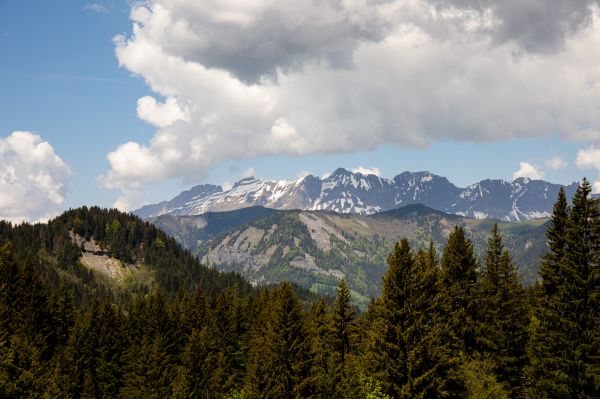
(347, 192)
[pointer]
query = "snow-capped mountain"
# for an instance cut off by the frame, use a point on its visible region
(347, 192)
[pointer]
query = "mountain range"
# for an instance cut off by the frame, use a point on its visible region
(349, 192)
(316, 248)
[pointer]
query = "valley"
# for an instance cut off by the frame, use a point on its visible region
(317, 248)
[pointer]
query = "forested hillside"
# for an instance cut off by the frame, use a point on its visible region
(444, 326)
(316, 249)
(142, 256)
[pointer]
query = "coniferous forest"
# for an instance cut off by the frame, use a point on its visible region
(446, 325)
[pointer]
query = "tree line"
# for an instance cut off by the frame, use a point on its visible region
(444, 326)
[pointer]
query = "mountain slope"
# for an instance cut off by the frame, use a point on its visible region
(316, 248)
(107, 253)
(347, 192)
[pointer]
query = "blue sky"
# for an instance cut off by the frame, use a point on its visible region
(61, 80)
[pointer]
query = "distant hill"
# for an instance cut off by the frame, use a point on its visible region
(346, 192)
(316, 248)
(107, 253)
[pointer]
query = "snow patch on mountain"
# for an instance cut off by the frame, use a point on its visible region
(344, 191)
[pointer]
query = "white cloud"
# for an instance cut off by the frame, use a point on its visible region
(302, 174)
(529, 171)
(259, 77)
(588, 158)
(161, 114)
(33, 179)
(249, 173)
(556, 163)
(96, 7)
(367, 171)
(226, 185)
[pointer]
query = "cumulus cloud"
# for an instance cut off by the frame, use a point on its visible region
(588, 158)
(535, 25)
(33, 179)
(367, 171)
(244, 79)
(256, 39)
(529, 171)
(249, 173)
(556, 163)
(161, 114)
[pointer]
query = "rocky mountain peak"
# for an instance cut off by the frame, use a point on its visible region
(345, 191)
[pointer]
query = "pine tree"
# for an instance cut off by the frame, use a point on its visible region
(149, 372)
(429, 363)
(458, 275)
(405, 353)
(226, 327)
(326, 378)
(504, 315)
(458, 303)
(25, 327)
(343, 318)
(387, 348)
(193, 376)
(565, 343)
(581, 290)
(545, 372)
(281, 360)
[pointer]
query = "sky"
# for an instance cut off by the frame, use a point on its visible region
(122, 103)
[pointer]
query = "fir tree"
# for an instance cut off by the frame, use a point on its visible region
(458, 275)
(326, 378)
(406, 354)
(458, 303)
(149, 372)
(281, 361)
(565, 344)
(193, 376)
(343, 318)
(504, 315)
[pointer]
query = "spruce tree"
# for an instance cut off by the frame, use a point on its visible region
(281, 360)
(458, 304)
(343, 318)
(581, 295)
(504, 315)
(405, 352)
(565, 344)
(193, 376)
(458, 276)
(149, 372)
(326, 378)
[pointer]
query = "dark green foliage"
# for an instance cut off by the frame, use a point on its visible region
(480, 381)
(437, 331)
(565, 344)
(343, 318)
(51, 251)
(406, 351)
(281, 359)
(326, 373)
(504, 316)
(458, 276)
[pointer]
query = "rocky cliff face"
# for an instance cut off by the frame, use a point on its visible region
(346, 192)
